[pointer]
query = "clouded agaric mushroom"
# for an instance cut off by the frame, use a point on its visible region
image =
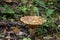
(9, 1)
(32, 22)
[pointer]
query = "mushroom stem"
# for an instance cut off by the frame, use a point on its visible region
(32, 32)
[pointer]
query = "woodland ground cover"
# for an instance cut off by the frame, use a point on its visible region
(49, 9)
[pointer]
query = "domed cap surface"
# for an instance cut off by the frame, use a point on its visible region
(33, 20)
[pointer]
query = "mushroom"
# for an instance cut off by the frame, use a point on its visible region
(9, 1)
(32, 22)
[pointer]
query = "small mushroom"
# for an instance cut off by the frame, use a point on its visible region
(9, 1)
(32, 22)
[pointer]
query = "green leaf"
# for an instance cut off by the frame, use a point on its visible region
(36, 10)
(26, 39)
(49, 12)
(11, 11)
(41, 3)
(23, 8)
(5, 6)
(16, 16)
(24, 1)
(4, 17)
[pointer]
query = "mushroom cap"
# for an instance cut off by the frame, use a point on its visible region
(33, 20)
(9, 1)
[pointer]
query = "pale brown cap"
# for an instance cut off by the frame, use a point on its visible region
(33, 20)
(9, 1)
